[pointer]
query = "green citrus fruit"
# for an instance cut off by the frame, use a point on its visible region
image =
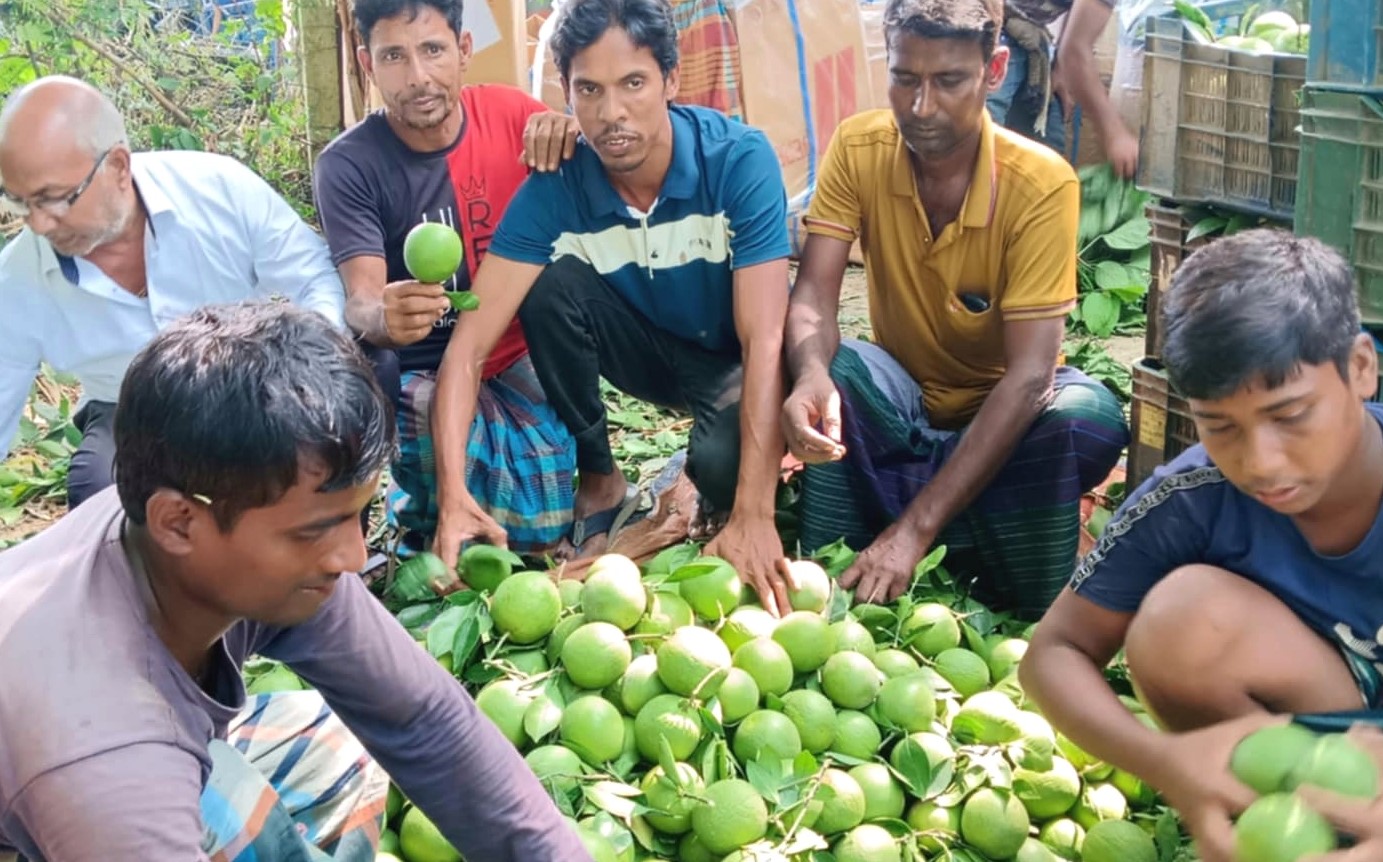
(432, 252)
(504, 702)
(669, 717)
(907, 702)
(987, 718)
(1099, 802)
(1280, 827)
(614, 594)
(526, 607)
(595, 655)
(807, 638)
(529, 662)
(1118, 841)
(594, 729)
(1264, 759)
(744, 624)
(556, 766)
(1035, 851)
(690, 849)
(560, 633)
(994, 822)
(277, 678)
(931, 629)
(857, 735)
(421, 841)
(1338, 764)
(1047, 794)
(939, 827)
(770, 665)
(813, 716)
(851, 680)
(851, 636)
(1005, 656)
(732, 815)
(485, 567)
(966, 672)
(813, 592)
(895, 662)
(765, 732)
(716, 592)
(667, 612)
(883, 795)
(1063, 836)
(672, 807)
(693, 661)
(640, 684)
(393, 803)
(738, 696)
(843, 805)
(570, 591)
(867, 843)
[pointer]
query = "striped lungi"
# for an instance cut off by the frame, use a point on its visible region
(520, 460)
(291, 784)
(1021, 533)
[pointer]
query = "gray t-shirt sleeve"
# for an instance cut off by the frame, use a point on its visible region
(137, 802)
(348, 207)
(422, 727)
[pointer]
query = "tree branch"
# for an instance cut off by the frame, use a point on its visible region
(104, 53)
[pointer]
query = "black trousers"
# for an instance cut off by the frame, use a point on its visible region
(579, 330)
(92, 469)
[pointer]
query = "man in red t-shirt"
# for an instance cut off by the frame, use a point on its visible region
(441, 152)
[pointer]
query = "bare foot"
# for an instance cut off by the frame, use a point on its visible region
(595, 493)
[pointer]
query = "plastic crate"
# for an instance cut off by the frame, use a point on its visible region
(1168, 226)
(1161, 422)
(1346, 39)
(1219, 125)
(1341, 199)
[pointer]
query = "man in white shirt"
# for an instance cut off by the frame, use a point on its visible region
(117, 245)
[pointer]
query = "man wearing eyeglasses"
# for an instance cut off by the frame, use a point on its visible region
(117, 245)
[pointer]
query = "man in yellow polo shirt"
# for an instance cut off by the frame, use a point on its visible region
(956, 426)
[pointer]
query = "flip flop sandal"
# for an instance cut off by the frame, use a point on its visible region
(608, 521)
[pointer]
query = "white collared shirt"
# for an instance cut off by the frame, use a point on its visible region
(216, 233)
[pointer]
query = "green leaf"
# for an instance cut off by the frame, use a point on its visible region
(462, 300)
(766, 775)
(1206, 227)
(804, 765)
(441, 635)
(1131, 235)
(668, 761)
(11, 516)
(670, 559)
(1167, 836)
(914, 769)
(415, 617)
(1100, 311)
(930, 562)
(467, 639)
(1110, 275)
(703, 566)
(614, 797)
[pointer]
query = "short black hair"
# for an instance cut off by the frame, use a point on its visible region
(581, 23)
(1253, 308)
(368, 13)
(978, 21)
(229, 401)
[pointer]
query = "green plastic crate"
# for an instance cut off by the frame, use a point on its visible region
(1340, 187)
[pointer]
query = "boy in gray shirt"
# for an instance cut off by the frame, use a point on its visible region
(249, 438)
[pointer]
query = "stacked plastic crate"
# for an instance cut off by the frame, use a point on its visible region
(1340, 197)
(1220, 129)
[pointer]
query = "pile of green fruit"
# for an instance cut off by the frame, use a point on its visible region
(1269, 32)
(672, 718)
(1274, 762)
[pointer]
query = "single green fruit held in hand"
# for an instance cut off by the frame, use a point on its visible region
(432, 252)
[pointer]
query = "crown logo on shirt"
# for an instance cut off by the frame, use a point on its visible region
(473, 188)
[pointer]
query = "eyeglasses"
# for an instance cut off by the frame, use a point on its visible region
(53, 205)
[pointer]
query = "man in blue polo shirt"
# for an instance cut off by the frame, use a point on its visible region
(657, 258)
